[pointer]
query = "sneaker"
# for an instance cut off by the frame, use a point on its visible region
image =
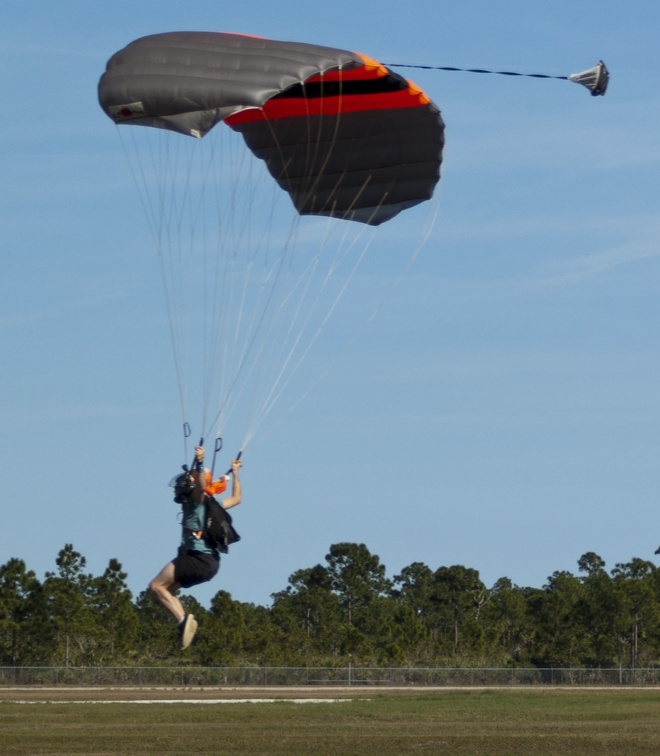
(188, 630)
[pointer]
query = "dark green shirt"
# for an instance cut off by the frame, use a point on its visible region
(193, 523)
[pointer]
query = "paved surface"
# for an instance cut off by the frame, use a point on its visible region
(244, 694)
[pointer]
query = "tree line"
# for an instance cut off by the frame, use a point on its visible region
(345, 610)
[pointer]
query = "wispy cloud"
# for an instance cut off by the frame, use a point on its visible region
(638, 240)
(577, 269)
(39, 314)
(615, 136)
(9, 47)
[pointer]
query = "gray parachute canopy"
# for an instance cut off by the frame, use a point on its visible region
(341, 133)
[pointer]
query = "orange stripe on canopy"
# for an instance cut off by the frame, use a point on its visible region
(331, 106)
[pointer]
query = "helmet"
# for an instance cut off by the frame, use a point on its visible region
(183, 487)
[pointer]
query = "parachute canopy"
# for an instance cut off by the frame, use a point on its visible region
(343, 135)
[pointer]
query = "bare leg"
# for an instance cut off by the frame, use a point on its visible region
(163, 586)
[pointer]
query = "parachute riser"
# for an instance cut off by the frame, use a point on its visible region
(216, 448)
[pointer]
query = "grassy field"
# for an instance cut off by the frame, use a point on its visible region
(356, 721)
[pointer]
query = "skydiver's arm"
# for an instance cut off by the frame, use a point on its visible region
(236, 489)
(198, 475)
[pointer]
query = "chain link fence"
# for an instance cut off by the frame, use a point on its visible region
(326, 676)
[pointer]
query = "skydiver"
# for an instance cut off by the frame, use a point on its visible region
(196, 562)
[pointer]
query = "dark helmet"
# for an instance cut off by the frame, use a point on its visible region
(183, 487)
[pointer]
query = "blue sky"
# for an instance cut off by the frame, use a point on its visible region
(501, 411)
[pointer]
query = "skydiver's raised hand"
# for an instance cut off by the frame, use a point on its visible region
(236, 488)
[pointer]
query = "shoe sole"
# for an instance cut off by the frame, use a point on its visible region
(189, 630)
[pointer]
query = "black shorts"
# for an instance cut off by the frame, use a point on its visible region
(193, 567)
